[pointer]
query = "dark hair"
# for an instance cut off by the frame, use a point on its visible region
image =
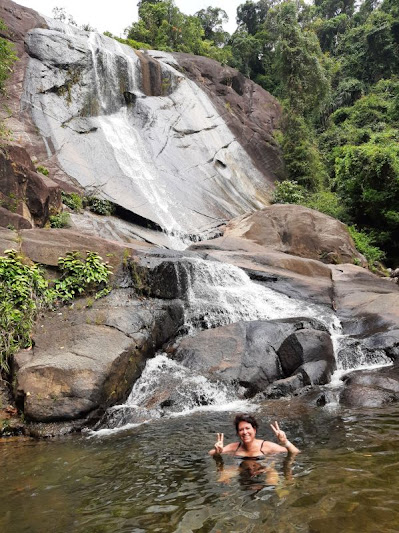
(245, 418)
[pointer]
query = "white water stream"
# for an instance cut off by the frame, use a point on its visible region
(220, 294)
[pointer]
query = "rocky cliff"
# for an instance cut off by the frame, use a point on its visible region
(179, 142)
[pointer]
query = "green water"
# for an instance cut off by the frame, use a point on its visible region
(157, 477)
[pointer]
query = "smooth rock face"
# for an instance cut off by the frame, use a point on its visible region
(299, 231)
(367, 304)
(371, 388)
(137, 131)
(256, 354)
(87, 359)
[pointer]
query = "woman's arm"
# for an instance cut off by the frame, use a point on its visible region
(282, 438)
(219, 448)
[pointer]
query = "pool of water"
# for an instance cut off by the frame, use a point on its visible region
(157, 477)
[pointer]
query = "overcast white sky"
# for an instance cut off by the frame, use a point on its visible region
(116, 15)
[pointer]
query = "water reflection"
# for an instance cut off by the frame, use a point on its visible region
(158, 477)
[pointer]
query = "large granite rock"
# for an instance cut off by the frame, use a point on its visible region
(256, 354)
(251, 113)
(367, 304)
(371, 388)
(295, 276)
(150, 132)
(24, 192)
(86, 359)
(299, 231)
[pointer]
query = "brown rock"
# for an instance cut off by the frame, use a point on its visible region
(289, 274)
(9, 240)
(297, 230)
(46, 246)
(87, 359)
(371, 388)
(10, 219)
(23, 191)
(365, 302)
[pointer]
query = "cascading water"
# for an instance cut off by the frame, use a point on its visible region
(219, 294)
(184, 392)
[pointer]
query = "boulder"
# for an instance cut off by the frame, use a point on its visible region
(87, 359)
(8, 240)
(46, 246)
(248, 353)
(366, 304)
(11, 220)
(299, 231)
(371, 388)
(311, 353)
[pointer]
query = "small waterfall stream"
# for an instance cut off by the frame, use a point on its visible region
(220, 294)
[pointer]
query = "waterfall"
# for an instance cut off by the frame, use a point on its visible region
(218, 294)
(183, 390)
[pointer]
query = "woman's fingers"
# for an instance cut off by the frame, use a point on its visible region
(275, 428)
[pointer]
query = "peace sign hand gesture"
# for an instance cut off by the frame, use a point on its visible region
(280, 434)
(219, 443)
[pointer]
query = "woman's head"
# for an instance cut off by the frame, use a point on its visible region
(249, 419)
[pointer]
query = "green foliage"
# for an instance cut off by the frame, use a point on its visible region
(43, 170)
(60, 220)
(300, 63)
(81, 276)
(327, 202)
(23, 292)
(130, 42)
(365, 245)
(99, 206)
(300, 152)
(7, 57)
(288, 192)
(163, 26)
(367, 180)
(73, 200)
(211, 20)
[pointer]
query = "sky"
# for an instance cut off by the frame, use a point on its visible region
(116, 15)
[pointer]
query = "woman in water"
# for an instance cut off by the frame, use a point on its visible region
(249, 446)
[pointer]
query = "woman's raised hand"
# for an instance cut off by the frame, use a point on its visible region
(219, 443)
(280, 434)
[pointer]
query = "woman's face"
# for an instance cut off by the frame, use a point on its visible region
(246, 432)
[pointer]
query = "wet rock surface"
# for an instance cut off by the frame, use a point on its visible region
(371, 388)
(154, 127)
(256, 354)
